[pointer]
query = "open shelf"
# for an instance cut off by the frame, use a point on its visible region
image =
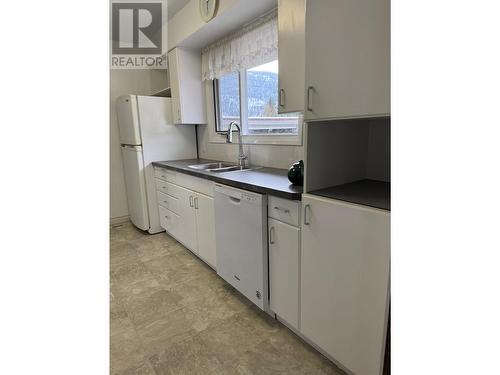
(350, 160)
(367, 192)
(163, 93)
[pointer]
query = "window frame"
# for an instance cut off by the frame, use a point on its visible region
(265, 138)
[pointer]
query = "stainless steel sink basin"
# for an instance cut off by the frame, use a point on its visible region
(208, 166)
(219, 167)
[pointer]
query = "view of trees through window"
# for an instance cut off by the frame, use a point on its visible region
(259, 101)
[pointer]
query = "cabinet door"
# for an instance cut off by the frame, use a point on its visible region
(188, 101)
(345, 256)
(174, 86)
(284, 270)
(291, 59)
(348, 71)
(205, 223)
(187, 231)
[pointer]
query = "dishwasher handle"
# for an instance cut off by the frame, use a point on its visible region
(234, 199)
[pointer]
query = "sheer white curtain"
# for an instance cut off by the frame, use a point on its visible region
(255, 44)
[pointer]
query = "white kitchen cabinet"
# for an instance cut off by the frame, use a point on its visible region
(187, 211)
(291, 55)
(284, 210)
(345, 258)
(205, 228)
(184, 69)
(167, 201)
(187, 216)
(169, 221)
(284, 242)
(347, 72)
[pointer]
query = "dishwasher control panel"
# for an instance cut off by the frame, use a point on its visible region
(249, 198)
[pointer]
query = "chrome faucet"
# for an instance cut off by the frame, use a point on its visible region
(229, 139)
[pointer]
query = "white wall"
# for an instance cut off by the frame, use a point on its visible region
(281, 156)
(121, 82)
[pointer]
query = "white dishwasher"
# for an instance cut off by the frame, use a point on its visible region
(241, 237)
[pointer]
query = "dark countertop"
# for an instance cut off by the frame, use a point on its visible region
(366, 192)
(262, 180)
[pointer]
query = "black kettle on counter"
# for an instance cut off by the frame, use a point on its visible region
(296, 173)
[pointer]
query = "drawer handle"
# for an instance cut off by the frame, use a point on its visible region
(271, 236)
(166, 202)
(285, 210)
(167, 217)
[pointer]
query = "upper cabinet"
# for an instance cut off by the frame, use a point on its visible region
(347, 59)
(188, 105)
(291, 59)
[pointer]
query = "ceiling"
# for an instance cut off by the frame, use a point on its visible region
(174, 6)
(240, 13)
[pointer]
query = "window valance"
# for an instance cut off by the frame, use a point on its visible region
(255, 44)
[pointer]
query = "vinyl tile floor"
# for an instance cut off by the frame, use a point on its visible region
(171, 314)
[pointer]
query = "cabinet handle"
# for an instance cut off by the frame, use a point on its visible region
(196, 203)
(282, 97)
(271, 235)
(190, 201)
(309, 98)
(306, 208)
(285, 210)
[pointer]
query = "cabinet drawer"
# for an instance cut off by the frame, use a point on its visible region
(167, 188)
(165, 174)
(284, 210)
(169, 221)
(168, 201)
(198, 184)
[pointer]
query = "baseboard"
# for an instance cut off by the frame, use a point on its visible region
(118, 220)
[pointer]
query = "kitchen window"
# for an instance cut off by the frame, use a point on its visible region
(250, 97)
(241, 75)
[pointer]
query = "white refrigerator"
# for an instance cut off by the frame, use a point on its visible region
(147, 134)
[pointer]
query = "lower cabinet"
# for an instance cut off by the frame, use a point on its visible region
(205, 225)
(169, 221)
(345, 259)
(188, 215)
(284, 270)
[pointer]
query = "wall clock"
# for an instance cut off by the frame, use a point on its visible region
(207, 9)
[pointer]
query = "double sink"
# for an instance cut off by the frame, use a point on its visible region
(218, 167)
